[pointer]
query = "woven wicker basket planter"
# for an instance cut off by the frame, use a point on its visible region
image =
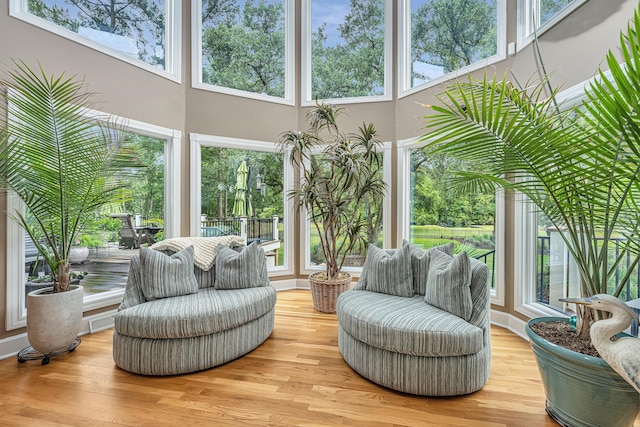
(326, 292)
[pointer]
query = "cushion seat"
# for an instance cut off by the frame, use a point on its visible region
(166, 327)
(207, 312)
(406, 325)
(434, 343)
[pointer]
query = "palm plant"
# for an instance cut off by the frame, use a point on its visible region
(579, 166)
(340, 174)
(62, 163)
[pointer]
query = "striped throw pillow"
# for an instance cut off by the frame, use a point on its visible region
(388, 271)
(165, 276)
(239, 270)
(420, 260)
(448, 284)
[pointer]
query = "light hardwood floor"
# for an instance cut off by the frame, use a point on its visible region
(296, 378)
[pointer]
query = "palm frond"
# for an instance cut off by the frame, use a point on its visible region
(63, 163)
(579, 167)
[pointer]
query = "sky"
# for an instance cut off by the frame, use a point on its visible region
(332, 12)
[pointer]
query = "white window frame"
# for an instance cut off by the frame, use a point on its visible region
(15, 304)
(289, 53)
(526, 231)
(404, 198)
(173, 43)
(305, 226)
(306, 62)
(404, 50)
(197, 142)
(529, 12)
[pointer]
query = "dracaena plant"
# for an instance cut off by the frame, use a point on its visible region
(341, 174)
(63, 163)
(579, 166)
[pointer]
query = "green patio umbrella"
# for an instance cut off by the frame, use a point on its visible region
(242, 204)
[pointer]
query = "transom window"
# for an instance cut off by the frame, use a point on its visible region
(438, 37)
(244, 47)
(346, 45)
(144, 33)
(537, 16)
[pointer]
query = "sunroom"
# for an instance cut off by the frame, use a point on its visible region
(206, 88)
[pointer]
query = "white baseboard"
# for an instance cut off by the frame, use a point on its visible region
(283, 285)
(510, 322)
(11, 346)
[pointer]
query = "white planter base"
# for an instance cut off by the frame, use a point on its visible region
(54, 320)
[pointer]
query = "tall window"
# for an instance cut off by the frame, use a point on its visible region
(543, 265)
(433, 214)
(238, 188)
(438, 37)
(112, 235)
(143, 31)
(377, 226)
(244, 47)
(536, 16)
(147, 211)
(439, 215)
(347, 49)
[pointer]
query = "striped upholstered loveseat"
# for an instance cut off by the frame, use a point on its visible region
(392, 336)
(224, 314)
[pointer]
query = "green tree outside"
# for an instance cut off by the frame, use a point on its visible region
(143, 22)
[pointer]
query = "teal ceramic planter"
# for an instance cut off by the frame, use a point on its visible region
(582, 390)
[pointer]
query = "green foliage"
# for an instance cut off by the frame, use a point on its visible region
(434, 202)
(62, 164)
(89, 240)
(579, 167)
(550, 8)
(218, 177)
(355, 65)
(47, 278)
(340, 174)
(427, 243)
(142, 21)
(454, 33)
(146, 186)
(244, 49)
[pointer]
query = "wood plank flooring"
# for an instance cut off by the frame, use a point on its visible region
(296, 378)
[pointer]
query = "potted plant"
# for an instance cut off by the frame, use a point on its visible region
(580, 168)
(61, 162)
(339, 174)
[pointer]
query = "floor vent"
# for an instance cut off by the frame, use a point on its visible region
(100, 324)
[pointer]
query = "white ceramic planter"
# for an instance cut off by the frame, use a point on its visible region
(78, 254)
(53, 320)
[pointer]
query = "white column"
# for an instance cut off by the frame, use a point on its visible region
(276, 234)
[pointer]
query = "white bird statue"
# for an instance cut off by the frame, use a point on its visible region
(623, 355)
